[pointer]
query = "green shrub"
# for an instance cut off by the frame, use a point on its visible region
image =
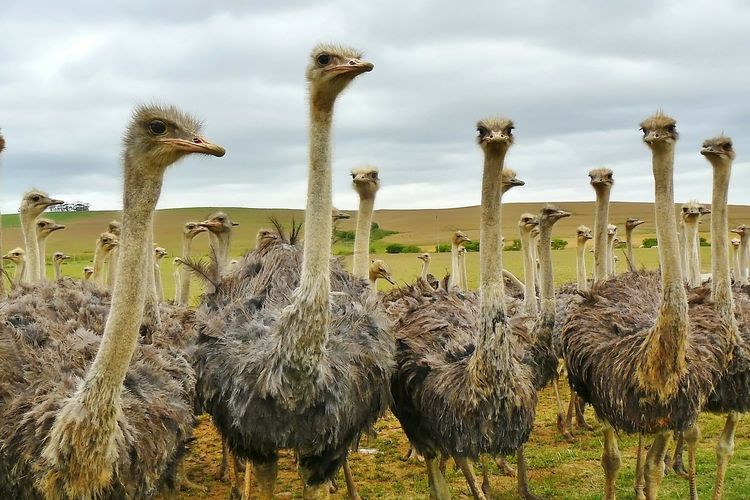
(704, 242)
(401, 248)
(472, 246)
(445, 247)
(375, 233)
(558, 244)
(649, 242)
(513, 247)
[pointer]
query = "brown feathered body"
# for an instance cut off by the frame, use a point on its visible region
(247, 385)
(49, 336)
(602, 335)
(440, 407)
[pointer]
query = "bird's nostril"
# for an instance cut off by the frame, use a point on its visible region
(352, 63)
(197, 140)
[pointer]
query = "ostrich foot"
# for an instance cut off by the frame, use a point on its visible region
(505, 469)
(184, 483)
(221, 474)
(471, 480)
(561, 421)
(654, 466)
(351, 488)
(438, 485)
(412, 455)
(333, 486)
(580, 414)
(724, 452)
(486, 488)
(610, 461)
(563, 430)
(677, 464)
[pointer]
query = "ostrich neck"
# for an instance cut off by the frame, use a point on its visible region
(220, 243)
(425, 265)
(100, 254)
(304, 324)
(464, 274)
(721, 284)
(529, 271)
(693, 260)
(629, 243)
(547, 291)
(42, 239)
(491, 360)
(32, 273)
(112, 267)
(600, 232)
(663, 350)
(362, 236)
(744, 249)
(157, 282)
(581, 265)
(19, 274)
(187, 244)
(58, 270)
(610, 255)
(455, 277)
(104, 379)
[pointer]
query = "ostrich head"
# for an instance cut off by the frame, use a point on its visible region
(459, 238)
(60, 257)
(425, 257)
(691, 211)
(601, 178)
(611, 230)
(659, 131)
(510, 179)
(742, 230)
(266, 237)
(495, 134)
(159, 253)
(159, 136)
(192, 229)
(45, 227)
(87, 272)
(366, 181)
(108, 241)
(35, 202)
(379, 269)
(16, 256)
(535, 232)
(583, 233)
(218, 223)
(177, 262)
(332, 68)
(337, 214)
(735, 243)
(551, 214)
(718, 147)
(632, 223)
(528, 222)
(115, 227)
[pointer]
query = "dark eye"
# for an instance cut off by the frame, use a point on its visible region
(157, 127)
(323, 59)
(644, 130)
(670, 129)
(36, 198)
(728, 146)
(481, 131)
(509, 130)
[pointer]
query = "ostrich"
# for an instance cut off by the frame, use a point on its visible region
(366, 182)
(104, 245)
(526, 224)
(743, 231)
(457, 240)
(219, 227)
(583, 235)
(159, 254)
(300, 368)
(425, 277)
(691, 212)
(88, 271)
(464, 277)
(44, 228)
(611, 237)
(379, 270)
(460, 386)
(83, 436)
(189, 231)
(114, 227)
(177, 278)
(33, 204)
(17, 257)
(645, 361)
(630, 225)
(57, 260)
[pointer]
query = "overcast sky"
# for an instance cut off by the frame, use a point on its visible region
(577, 78)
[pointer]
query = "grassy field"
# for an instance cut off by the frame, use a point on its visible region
(558, 469)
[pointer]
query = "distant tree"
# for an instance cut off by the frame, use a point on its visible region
(704, 242)
(401, 248)
(649, 243)
(558, 244)
(513, 247)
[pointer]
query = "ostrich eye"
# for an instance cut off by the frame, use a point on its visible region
(728, 146)
(323, 59)
(644, 130)
(670, 129)
(36, 198)
(509, 130)
(481, 131)
(157, 127)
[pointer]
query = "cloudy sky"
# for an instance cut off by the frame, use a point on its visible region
(577, 77)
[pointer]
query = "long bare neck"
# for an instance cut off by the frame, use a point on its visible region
(600, 232)
(19, 273)
(362, 236)
(104, 379)
(464, 274)
(42, 239)
(305, 322)
(736, 254)
(529, 270)
(721, 283)
(744, 250)
(112, 267)
(547, 292)
(610, 255)
(220, 244)
(32, 272)
(693, 260)
(177, 278)
(99, 255)
(491, 360)
(157, 282)
(58, 269)
(629, 243)
(455, 277)
(184, 288)
(581, 265)
(425, 265)
(663, 350)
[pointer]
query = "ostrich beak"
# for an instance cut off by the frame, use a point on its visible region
(235, 223)
(51, 202)
(354, 66)
(208, 224)
(57, 227)
(389, 278)
(197, 145)
(516, 182)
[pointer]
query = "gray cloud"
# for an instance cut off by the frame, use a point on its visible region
(577, 78)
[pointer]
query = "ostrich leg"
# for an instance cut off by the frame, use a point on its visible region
(471, 479)
(679, 446)
(639, 479)
(561, 427)
(438, 485)
(523, 477)
(654, 467)
(222, 472)
(724, 451)
(248, 480)
(351, 488)
(610, 461)
(692, 436)
(580, 413)
(265, 475)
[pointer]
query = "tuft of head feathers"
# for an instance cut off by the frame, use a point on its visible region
(718, 147)
(659, 128)
(601, 177)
